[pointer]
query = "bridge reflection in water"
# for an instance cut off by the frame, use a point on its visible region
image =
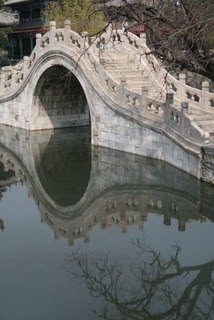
(77, 187)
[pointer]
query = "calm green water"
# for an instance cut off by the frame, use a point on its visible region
(91, 233)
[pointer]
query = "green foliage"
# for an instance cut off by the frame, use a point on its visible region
(4, 38)
(2, 6)
(84, 16)
(4, 31)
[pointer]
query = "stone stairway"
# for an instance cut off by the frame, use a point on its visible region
(205, 122)
(126, 67)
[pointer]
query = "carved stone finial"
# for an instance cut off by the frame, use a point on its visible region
(67, 24)
(52, 25)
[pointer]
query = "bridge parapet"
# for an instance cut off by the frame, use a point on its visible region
(12, 78)
(199, 100)
(178, 120)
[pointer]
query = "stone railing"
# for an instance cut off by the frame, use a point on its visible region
(177, 119)
(166, 114)
(199, 100)
(11, 78)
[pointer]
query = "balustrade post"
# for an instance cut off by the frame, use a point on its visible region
(122, 92)
(52, 36)
(184, 107)
(26, 64)
(52, 25)
(169, 102)
(13, 79)
(181, 86)
(205, 90)
(143, 38)
(85, 37)
(67, 27)
(169, 98)
(67, 24)
(184, 112)
(38, 42)
(144, 100)
(2, 82)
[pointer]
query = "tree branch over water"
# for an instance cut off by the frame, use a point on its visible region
(156, 288)
(180, 33)
(2, 227)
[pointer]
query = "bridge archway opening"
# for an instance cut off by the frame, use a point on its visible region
(59, 101)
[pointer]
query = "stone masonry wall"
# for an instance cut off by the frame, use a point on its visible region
(118, 132)
(59, 100)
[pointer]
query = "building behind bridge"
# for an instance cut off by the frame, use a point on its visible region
(22, 38)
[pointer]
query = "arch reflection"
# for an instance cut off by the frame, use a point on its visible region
(64, 165)
(76, 188)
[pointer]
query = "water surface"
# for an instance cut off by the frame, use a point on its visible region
(89, 233)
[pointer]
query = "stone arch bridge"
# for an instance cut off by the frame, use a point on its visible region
(113, 83)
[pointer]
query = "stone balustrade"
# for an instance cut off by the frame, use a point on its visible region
(198, 99)
(179, 120)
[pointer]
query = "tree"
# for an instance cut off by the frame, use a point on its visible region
(158, 288)
(2, 225)
(179, 32)
(5, 30)
(84, 15)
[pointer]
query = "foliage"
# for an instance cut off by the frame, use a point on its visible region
(84, 15)
(2, 6)
(2, 225)
(4, 38)
(4, 31)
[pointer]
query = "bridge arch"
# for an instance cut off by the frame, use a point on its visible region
(59, 98)
(59, 94)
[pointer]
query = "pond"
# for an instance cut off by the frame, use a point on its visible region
(92, 233)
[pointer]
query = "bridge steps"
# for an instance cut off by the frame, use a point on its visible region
(136, 86)
(126, 66)
(137, 78)
(134, 78)
(206, 123)
(203, 117)
(133, 72)
(116, 73)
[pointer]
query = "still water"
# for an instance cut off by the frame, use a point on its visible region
(91, 233)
